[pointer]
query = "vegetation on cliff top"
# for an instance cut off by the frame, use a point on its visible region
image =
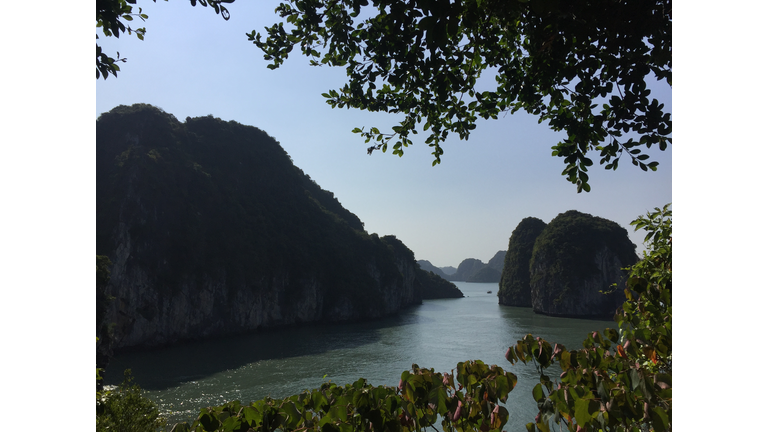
(571, 241)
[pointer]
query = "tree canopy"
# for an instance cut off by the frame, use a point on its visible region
(582, 67)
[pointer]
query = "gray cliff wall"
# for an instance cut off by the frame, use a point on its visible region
(556, 296)
(147, 314)
(515, 281)
(400, 292)
(212, 230)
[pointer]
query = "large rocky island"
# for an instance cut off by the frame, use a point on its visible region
(567, 267)
(211, 230)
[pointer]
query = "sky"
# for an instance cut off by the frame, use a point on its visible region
(194, 63)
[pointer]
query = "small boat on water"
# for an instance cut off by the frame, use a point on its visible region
(489, 292)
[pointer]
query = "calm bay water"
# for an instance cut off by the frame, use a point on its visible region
(278, 363)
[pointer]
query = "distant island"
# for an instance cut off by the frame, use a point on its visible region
(208, 228)
(470, 270)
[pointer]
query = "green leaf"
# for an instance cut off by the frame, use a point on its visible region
(252, 416)
(582, 413)
(294, 417)
(612, 335)
(209, 421)
(232, 424)
(538, 393)
(660, 419)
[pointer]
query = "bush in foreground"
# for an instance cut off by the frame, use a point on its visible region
(124, 409)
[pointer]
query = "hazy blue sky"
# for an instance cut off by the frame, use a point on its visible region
(194, 63)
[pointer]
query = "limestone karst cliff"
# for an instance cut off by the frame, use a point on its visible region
(575, 259)
(515, 283)
(467, 268)
(497, 262)
(485, 275)
(429, 267)
(212, 230)
(433, 286)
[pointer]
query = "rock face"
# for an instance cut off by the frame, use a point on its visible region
(485, 275)
(470, 270)
(448, 270)
(497, 262)
(429, 267)
(432, 286)
(515, 283)
(575, 258)
(467, 268)
(212, 230)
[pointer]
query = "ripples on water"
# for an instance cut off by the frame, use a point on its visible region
(279, 363)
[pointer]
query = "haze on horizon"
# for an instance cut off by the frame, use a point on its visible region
(194, 63)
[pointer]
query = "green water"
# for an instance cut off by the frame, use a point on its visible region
(437, 334)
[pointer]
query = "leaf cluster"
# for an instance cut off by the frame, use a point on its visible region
(125, 409)
(467, 401)
(556, 60)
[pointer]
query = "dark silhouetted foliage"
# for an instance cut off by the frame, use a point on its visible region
(125, 409)
(580, 66)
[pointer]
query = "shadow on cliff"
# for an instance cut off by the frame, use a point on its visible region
(167, 367)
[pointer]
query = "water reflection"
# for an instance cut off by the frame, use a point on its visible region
(167, 367)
